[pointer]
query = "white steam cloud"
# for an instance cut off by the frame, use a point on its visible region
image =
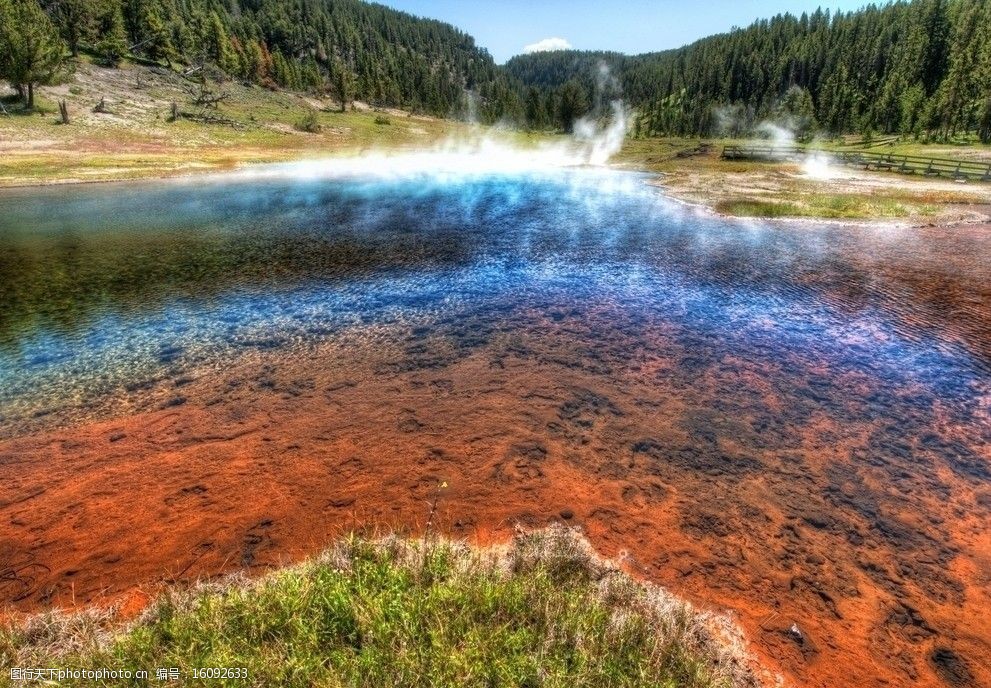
(596, 137)
(736, 121)
(780, 134)
(602, 141)
(476, 154)
(547, 45)
(820, 166)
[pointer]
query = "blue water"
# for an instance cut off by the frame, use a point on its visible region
(811, 400)
(105, 288)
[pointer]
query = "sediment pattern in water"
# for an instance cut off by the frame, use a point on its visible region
(791, 421)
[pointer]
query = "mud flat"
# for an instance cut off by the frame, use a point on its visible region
(789, 424)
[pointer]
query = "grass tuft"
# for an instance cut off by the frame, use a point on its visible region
(542, 611)
(829, 206)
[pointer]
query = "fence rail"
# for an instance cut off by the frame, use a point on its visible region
(969, 170)
(765, 152)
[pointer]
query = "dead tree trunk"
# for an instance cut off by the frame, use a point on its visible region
(206, 97)
(63, 111)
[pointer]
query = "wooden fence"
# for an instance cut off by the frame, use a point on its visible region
(763, 152)
(968, 170)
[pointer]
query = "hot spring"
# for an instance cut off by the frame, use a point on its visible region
(788, 420)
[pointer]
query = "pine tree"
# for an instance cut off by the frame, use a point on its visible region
(113, 44)
(535, 113)
(31, 49)
(912, 103)
(75, 19)
(984, 121)
(219, 45)
(343, 83)
(982, 77)
(572, 104)
(253, 62)
(798, 111)
(281, 71)
(153, 34)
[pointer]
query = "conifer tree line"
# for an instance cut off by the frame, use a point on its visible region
(347, 48)
(919, 68)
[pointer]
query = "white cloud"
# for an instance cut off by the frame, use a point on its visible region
(547, 44)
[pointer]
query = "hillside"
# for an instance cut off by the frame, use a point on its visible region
(913, 67)
(122, 127)
(351, 49)
(920, 68)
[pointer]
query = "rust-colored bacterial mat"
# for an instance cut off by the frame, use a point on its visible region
(792, 421)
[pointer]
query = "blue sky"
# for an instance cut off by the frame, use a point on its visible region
(505, 27)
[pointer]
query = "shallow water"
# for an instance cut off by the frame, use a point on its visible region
(826, 388)
(106, 287)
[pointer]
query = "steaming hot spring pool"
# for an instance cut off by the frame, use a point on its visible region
(790, 421)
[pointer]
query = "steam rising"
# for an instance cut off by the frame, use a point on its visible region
(818, 165)
(473, 156)
(602, 142)
(815, 164)
(596, 137)
(781, 134)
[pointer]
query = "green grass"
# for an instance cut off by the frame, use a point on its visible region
(967, 147)
(769, 209)
(829, 206)
(409, 613)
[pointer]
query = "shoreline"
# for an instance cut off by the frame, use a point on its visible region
(656, 180)
(865, 223)
(713, 641)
